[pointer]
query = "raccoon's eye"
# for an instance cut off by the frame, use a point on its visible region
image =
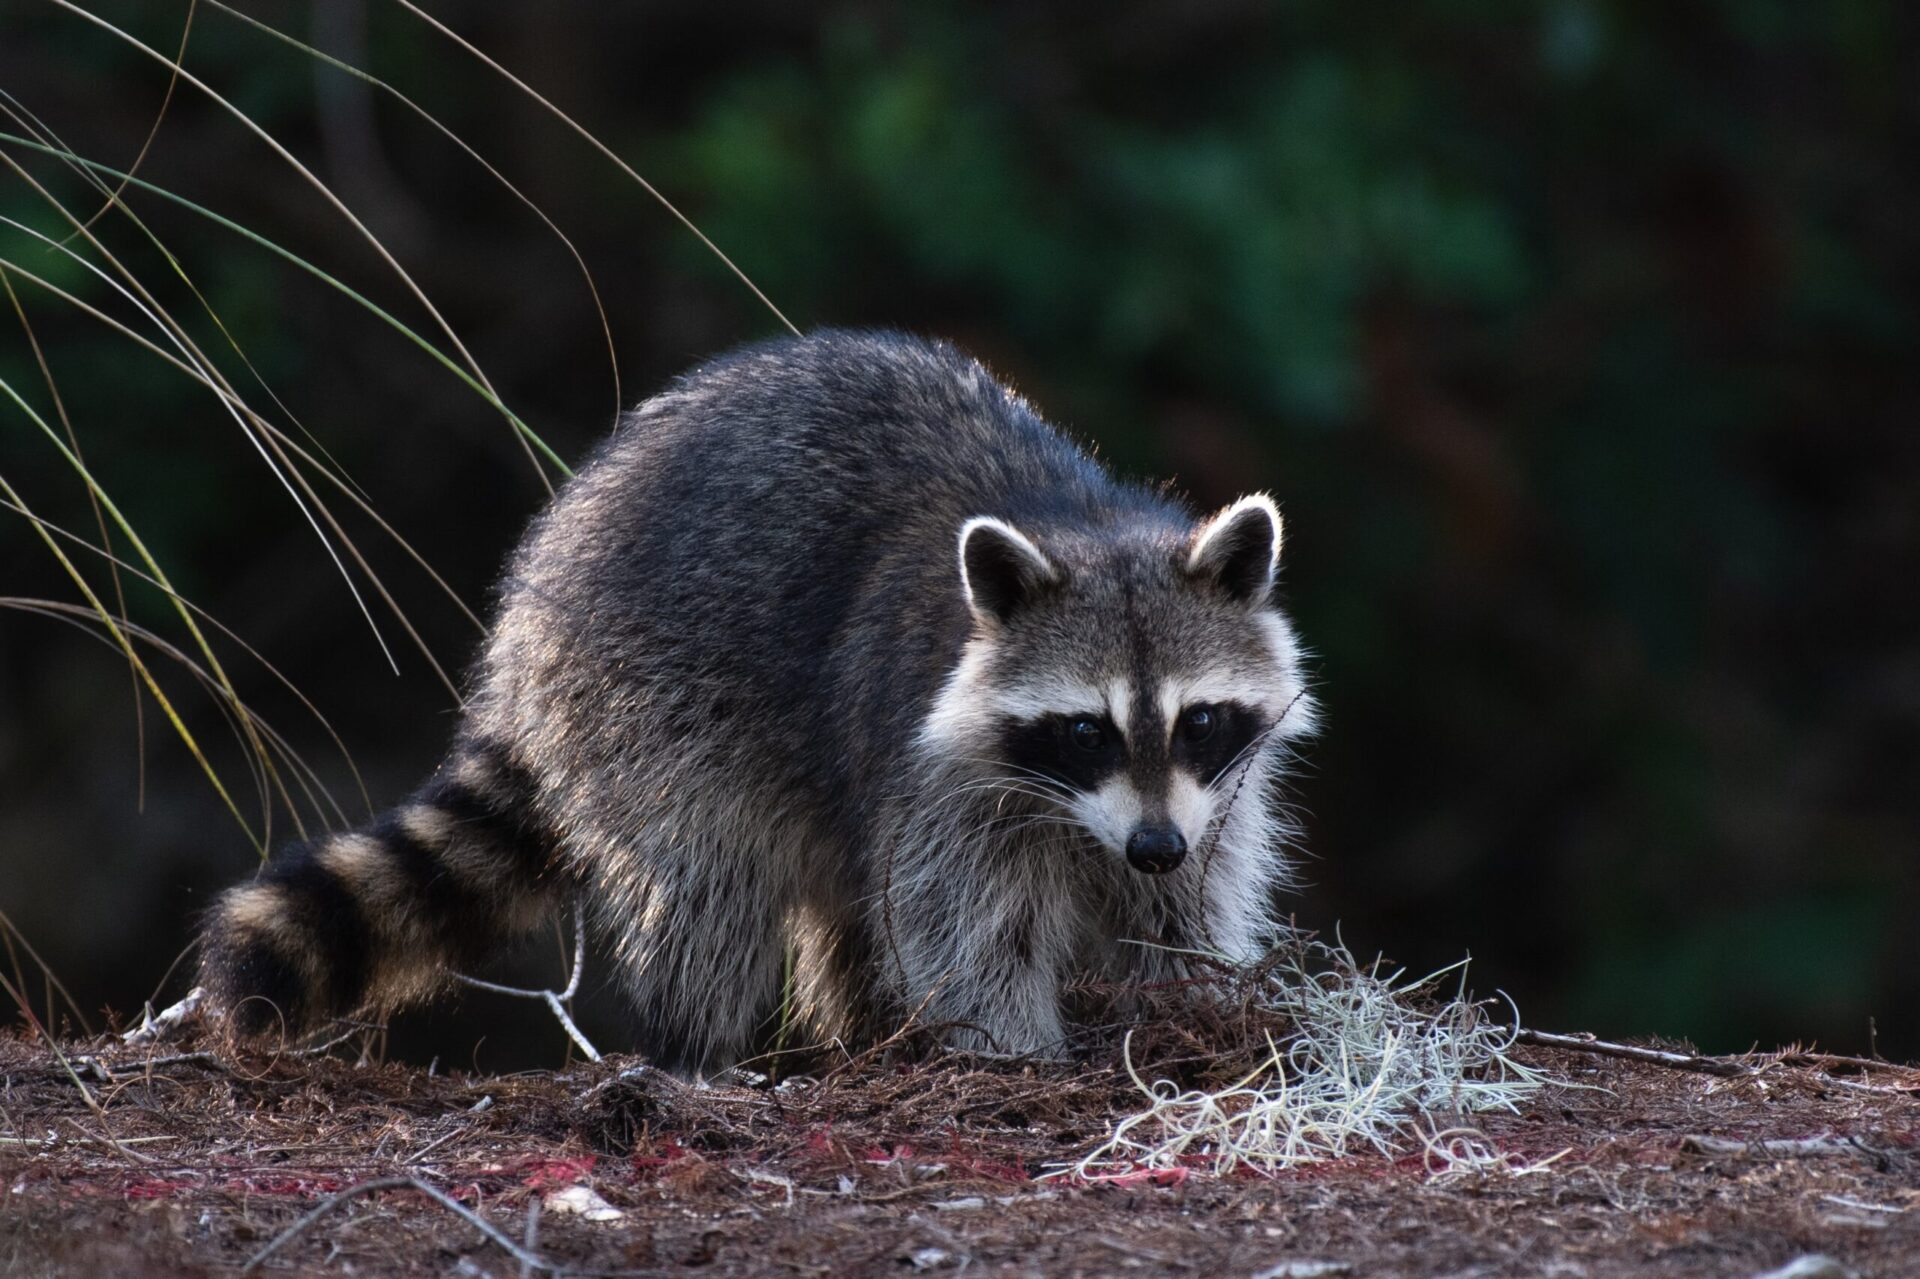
(1196, 723)
(1087, 734)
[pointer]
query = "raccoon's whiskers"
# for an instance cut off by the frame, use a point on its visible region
(1240, 767)
(1011, 822)
(1009, 789)
(1008, 786)
(1029, 774)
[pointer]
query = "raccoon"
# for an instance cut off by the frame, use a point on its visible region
(834, 650)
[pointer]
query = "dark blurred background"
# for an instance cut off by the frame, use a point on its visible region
(1578, 341)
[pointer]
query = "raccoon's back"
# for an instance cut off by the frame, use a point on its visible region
(767, 549)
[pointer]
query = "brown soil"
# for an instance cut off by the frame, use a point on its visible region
(193, 1166)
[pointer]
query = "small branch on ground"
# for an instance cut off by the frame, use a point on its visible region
(528, 1259)
(532, 1243)
(102, 1069)
(557, 1001)
(85, 1136)
(1783, 1148)
(1820, 1060)
(86, 1094)
(1726, 1067)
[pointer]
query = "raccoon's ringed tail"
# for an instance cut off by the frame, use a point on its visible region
(373, 918)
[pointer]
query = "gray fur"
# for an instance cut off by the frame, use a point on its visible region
(746, 700)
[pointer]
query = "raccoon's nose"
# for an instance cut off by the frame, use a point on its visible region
(1155, 850)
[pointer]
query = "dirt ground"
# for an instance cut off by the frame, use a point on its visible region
(179, 1160)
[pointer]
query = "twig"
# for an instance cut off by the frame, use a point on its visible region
(170, 1020)
(1135, 1255)
(1729, 1067)
(556, 1000)
(1782, 1148)
(110, 1140)
(533, 1232)
(86, 1094)
(905, 1192)
(1795, 1057)
(435, 1144)
(760, 1176)
(103, 1070)
(1884, 1090)
(528, 1259)
(1725, 1067)
(85, 1136)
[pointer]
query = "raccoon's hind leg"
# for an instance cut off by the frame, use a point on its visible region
(374, 918)
(833, 995)
(699, 935)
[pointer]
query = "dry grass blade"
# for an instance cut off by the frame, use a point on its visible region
(159, 118)
(285, 450)
(255, 728)
(326, 193)
(100, 523)
(228, 695)
(279, 439)
(326, 725)
(69, 156)
(152, 309)
(268, 440)
(339, 64)
(204, 371)
(177, 334)
(120, 636)
(604, 150)
(10, 931)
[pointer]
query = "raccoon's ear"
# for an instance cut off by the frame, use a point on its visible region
(1238, 548)
(1000, 569)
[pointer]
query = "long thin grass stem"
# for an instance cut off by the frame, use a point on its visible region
(325, 192)
(604, 150)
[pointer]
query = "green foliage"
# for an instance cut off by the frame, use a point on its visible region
(1240, 247)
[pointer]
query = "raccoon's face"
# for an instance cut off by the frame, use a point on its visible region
(1132, 679)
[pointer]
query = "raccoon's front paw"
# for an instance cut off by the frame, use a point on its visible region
(1029, 1042)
